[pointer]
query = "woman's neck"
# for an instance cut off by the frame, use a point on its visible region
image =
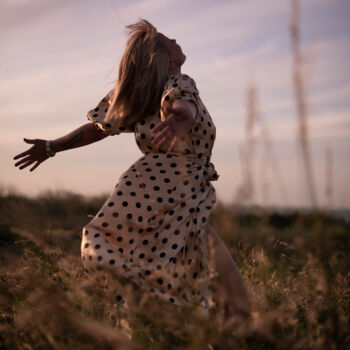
(174, 70)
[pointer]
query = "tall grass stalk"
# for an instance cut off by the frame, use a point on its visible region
(302, 115)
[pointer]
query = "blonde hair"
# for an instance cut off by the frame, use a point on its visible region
(143, 71)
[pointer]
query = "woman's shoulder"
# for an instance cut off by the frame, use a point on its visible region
(179, 77)
(180, 80)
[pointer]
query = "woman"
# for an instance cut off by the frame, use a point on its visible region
(153, 228)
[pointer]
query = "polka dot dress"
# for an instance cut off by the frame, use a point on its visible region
(151, 230)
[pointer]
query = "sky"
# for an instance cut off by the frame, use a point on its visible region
(60, 57)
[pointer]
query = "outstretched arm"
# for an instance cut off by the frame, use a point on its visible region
(82, 136)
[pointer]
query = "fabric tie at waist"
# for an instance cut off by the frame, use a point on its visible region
(211, 175)
(209, 169)
(210, 172)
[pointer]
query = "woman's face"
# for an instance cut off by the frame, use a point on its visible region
(177, 58)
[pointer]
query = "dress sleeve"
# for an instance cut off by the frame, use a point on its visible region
(98, 114)
(179, 87)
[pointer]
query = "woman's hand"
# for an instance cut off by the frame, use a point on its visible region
(36, 154)
(179, 122)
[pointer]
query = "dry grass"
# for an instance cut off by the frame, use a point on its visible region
(295, 266)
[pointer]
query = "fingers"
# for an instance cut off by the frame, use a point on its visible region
(165, 133)
(35, 165)
(164, 139)
(173, 142)
(21, 154)
(32, 141)
(26, 164)
(26, 159)
(162, 134)
(161, 125)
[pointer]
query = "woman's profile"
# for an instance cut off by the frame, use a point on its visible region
(153, 229)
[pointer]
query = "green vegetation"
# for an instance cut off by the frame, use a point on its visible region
(295, 265)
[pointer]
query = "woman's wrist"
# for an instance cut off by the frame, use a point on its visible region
(55, 146)
(50, 152)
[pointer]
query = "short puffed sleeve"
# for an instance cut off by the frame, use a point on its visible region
(179, 87)
(98, 114)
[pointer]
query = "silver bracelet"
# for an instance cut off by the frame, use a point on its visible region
(49, 151)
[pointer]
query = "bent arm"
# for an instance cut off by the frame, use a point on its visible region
(188, 106)
(180, 120)
(82, 136)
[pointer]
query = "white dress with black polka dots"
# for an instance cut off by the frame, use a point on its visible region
(151, 230)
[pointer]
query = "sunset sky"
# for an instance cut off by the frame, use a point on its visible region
(60, 57)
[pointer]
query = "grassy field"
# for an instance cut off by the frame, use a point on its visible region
(296, 267)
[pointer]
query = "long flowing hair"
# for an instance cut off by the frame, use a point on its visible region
(143, 71)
